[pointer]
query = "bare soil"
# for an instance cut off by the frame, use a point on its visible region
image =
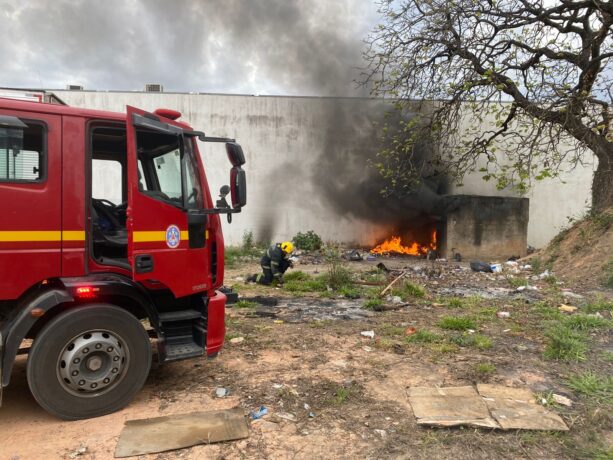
(347, 393)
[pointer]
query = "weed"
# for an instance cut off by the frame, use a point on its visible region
(297, 275)
(565, 344)
(444, 348)
(607, 270)
(546, 311)
(517, 282)
(373, 304)
(248, 241)
(245, 304)
(485, 369)
(341, 395)
(457, 323)
(599, 388)
(232, 335)
(455, 302)
(482, 342)
(536, 264)
(586, 322)
(408, 290)
(424, 336)
(607, 356)
(309, 241)
(598, 305)
(485, 314)
(338, 276)
(309, 285)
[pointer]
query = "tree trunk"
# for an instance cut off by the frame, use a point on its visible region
(602, 185)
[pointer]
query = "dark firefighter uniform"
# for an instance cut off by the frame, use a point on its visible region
(275, 262)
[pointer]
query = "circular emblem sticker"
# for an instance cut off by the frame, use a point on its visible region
(173, 236)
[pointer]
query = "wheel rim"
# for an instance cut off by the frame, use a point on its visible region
(92, 363)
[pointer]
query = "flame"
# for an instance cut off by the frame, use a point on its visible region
(394, 245)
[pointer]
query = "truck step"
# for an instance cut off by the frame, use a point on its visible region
(180, 315)
(178, 351)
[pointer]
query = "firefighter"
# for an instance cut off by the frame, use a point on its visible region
(275, 263)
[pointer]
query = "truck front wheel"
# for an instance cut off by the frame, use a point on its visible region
(89, 361)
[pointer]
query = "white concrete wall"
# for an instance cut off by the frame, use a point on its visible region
(292, 146)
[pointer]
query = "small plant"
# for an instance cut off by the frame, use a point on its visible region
(373, 304)
(338, 276)
(457, 323)
(245, 304)
(586, 322)
(296, 275)
(309, 241)
(485, 369)
(408, 290)
(424, 336)
(565, 344)
(536, 264)
(482, 342)
(248, 241)
(455, 302)
(341, 395)
(517, 282)
(593, 386)
(310, 284)
(598, 305)
(607, 270)
(350, 292)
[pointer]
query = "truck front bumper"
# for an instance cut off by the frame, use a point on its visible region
(216, 323)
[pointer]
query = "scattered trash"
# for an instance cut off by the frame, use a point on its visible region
(277, 386)
(479, 266)
(237, 340)
(521, 288)
(278, 321)
(410, 330)
(370, 334)
(355, 256)
(311, 414)
(389, 286)
(381, 266)
(513, 259)
(563, 400)
(307, 407)
(286, 416)
(434, 304)
(78, 452)
(471, 331)
(503, 314)
(367, 349)
(571, 295)
(526, 267)
(567, 308)
(381, 433)
(496, 268)
(370, 257)
(396, 299)
(545, 274)
(489, 406)
(258, 414)
(221, 392)
(172, 432)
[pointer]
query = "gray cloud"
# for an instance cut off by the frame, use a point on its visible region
(310, 47)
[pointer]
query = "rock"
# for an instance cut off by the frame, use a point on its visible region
(221, 392)
(286, 416)
(78, 452)
(381, 433)
(370, 334)
(503, 314)
(396, 299)
(237, 340)
(563, 400)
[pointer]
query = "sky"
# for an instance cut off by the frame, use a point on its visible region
(285, 47)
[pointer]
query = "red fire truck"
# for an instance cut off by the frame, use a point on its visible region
(109, 242)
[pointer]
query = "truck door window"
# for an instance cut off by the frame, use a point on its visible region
(194, 190)
(107, 181)
(22, 153)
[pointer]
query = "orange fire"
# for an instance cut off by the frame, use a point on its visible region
(393, 245)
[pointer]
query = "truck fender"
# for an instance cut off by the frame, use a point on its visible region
(18, 328)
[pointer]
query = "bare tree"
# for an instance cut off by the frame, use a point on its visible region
(539, 71)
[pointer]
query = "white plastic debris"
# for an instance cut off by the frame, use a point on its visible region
(496, 268)
(237, 340)
(503, 314)
(221, 392)
(370, 334)
(563, 400)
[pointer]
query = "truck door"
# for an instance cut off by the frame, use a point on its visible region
(165, 223)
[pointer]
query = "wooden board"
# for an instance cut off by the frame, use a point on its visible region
(172, 432)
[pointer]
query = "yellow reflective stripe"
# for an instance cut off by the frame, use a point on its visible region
(73, 235)
(41, 235)
(156, 235)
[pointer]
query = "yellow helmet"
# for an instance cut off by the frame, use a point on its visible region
(287, 247)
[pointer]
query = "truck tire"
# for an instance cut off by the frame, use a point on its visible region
(88, 361)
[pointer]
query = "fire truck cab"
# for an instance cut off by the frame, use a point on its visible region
(109, 242)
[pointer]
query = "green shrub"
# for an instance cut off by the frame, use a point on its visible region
(565, 344)
(586, 322)
(482, 342)
(373, 304)
(598, 305)
(485, 369)
(424, 336)
(607, 270)
(457, 323)
(338, 277)
(248, 241)
(296, 275)
(309, 241)
(593, 386)
(409, 290)
(245, 304)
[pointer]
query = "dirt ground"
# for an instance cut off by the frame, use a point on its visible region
(333, 393)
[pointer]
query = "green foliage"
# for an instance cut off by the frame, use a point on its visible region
(599, 388)
(296, 275)
(478, 341)
(455, 302)
(248, 241)
(245, 304)
(586, 322)
(409, 290)
(305, 284)
(517, 282)
(337, 276)
(485, 369)
(309, 241)
(599, 305)
(536, 264)
(457, 323)
(424, 336)
(565, 344)
(373, 304)
(350, 292)
(607, 271)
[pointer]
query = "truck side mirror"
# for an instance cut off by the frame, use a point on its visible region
(238, 186)
(235, 154)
